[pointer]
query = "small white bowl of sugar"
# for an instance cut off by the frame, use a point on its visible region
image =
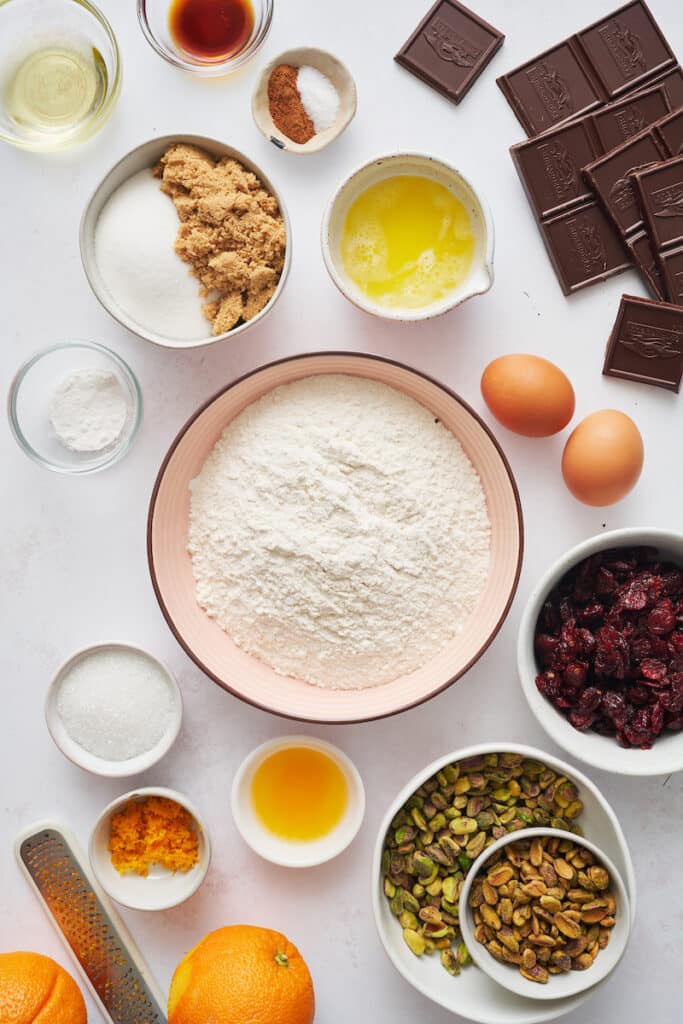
(114, 710)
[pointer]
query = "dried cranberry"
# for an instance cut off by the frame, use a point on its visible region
(662, 619)
(653, 669)
(609, 640)
(590, 699)
(574, 675)
(548, 684)
(581, 720)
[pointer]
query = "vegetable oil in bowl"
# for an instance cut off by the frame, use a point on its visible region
(407, 242)
(299, 794)
(55, 89)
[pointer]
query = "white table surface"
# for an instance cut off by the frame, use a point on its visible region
(73, 560)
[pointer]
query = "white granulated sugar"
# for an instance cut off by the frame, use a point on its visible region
(134, 239)
(338, 532)
(115, 703)
(88, 410)
(319, 97)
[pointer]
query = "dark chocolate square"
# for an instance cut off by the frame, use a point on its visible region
(646, 343)
(584, 247)
(645, 261)
(620, 121)
(671, 264)
(670, 131)
(661, 198)
(550, 166)
(450, 48)
(626, 48)
(673, 83)
(550, 89)
(610, 177)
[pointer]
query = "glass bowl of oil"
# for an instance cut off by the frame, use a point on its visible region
(298, 801)
(206, 37)
(60, 72)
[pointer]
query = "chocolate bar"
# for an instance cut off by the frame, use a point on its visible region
(660, 189)
(672, 81)
(610, 178)
(583, 247)
(671, 266)
(670, 132)
(450, 48)
(550, 167)
(618, 54)
(646, 343)
(645, 259)
(626, 48)
(620, 121)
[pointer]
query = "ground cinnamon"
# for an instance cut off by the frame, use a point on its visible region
(286, 108)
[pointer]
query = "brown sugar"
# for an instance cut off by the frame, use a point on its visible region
(231, 232)
(286, 108)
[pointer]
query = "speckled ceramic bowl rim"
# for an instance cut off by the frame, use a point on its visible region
(376, 358)
(216, 148)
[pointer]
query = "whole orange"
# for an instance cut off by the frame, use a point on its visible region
(240, 974)
(33, 988)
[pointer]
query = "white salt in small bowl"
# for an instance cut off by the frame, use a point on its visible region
(340, 77)
(160, 889)
(90, 762)
(294, 854)
(31, 393)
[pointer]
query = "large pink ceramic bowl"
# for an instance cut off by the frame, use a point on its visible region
(250, 679)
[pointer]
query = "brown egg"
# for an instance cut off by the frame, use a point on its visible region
(528, 395)
(603, 458)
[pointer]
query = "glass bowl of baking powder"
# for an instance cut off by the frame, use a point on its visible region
(75, 407)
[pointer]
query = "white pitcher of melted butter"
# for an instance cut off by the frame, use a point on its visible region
(407, 237)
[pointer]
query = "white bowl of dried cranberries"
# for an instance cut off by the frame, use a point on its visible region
(600, 651)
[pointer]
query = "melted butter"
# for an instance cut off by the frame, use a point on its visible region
(299, 794)
(407, 242)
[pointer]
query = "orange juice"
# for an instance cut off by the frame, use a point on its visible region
(299, 793)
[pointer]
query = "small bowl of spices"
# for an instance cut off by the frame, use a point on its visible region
(544, 913)
(114, 710)
(206, 37)
(304, 99)
(298, 801)
(75, 407)
(150, 849)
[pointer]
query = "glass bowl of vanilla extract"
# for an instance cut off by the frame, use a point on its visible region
(206, 37)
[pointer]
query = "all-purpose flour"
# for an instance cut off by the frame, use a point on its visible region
(338, 532)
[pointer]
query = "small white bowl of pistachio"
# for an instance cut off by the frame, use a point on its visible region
(545, 913)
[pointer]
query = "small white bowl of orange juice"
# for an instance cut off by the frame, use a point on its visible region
(298, 801)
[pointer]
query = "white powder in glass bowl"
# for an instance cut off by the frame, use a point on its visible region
(338, 532)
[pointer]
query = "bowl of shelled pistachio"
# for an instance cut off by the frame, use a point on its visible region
(447, 816)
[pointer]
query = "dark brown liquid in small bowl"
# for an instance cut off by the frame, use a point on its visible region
(211, 29)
